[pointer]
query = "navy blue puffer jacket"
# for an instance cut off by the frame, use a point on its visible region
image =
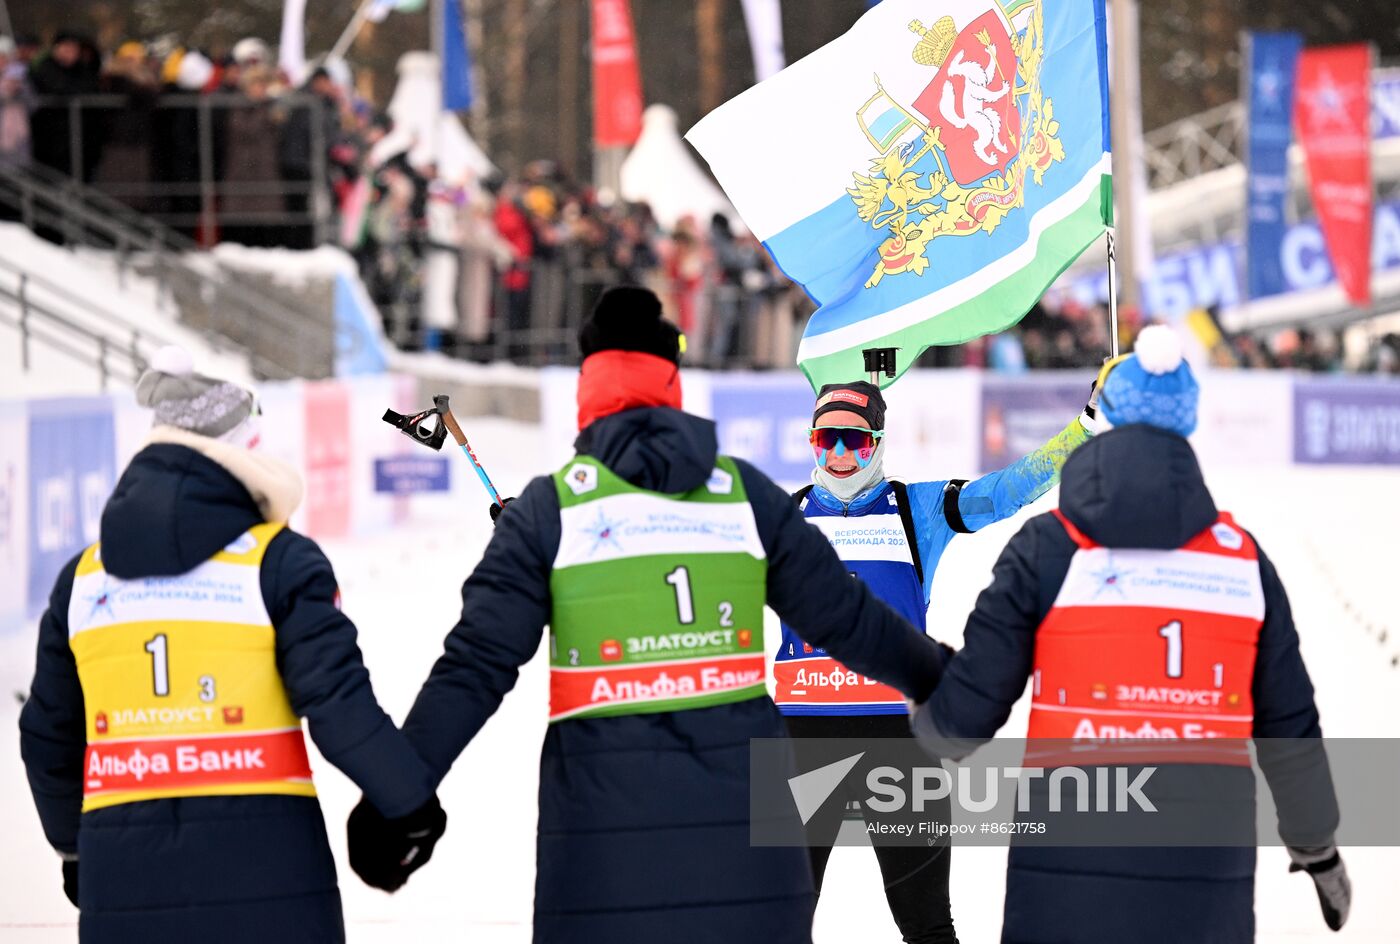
(644, 819)
(1132, 487)
(212, 869)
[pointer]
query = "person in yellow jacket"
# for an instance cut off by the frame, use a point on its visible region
(162, 736)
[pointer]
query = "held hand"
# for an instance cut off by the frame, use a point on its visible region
(385, 852)
(1329, 875)
(70, 879)
(497, 509)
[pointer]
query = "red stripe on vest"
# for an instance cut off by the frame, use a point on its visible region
(1126, 671)
(178, 763)
(1075, 535)
(572, 691)
(824, 681)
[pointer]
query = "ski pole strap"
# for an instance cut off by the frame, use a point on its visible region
(952, 511)
(413, 428)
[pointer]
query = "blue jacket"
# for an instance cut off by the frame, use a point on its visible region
(234, 868)
(644, 819)
(973, 505)
(1133, 487)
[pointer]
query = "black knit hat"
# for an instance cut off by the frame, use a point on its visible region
(859, 397)
(628, 318)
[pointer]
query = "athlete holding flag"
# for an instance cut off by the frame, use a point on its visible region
(890, 535)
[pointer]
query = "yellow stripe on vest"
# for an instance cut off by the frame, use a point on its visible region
(180, 682)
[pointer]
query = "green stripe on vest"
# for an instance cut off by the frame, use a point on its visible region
(657, 598)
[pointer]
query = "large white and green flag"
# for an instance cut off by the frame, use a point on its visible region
(927, 175)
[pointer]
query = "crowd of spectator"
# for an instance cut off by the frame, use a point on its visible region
(222, 145)
(507, 268)
(217, 146)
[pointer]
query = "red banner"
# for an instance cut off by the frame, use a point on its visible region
(1332, 111)
(617, 87)
(327, 459)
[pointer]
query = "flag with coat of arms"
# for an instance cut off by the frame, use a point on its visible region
(926, 175)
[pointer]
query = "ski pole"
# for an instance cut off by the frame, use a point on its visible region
(413, 428)
(450, 421)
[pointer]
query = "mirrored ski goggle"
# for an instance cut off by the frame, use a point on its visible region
(855, 438)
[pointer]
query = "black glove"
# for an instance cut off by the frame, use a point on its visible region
(497, 509)
(70, 880)
(1329, 875)
(385, 852)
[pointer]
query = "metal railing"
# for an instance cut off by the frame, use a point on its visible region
(120, 353)
(281, 339)
(1184, 149)
(193, 193)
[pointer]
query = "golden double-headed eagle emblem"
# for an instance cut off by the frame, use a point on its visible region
(955, 162)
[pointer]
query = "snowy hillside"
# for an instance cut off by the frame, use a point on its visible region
(99, 303)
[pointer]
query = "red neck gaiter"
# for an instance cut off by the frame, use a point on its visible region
(613, 381)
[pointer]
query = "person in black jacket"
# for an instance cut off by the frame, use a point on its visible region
(67, 70)
(1140, 610)
(161, 735)
(644, 810)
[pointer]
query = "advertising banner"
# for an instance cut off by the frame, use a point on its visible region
(1339, 422)
(14, 515)
(72, 468)
(617, 83)
(1385, 105)
(328, 483)
(284, 423)
(1019, 415)
(1333, 113)
(765, 421)
(410, 475)
(1245, 418)
(1273, 59)
(1212, 275)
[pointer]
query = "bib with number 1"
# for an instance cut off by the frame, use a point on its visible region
(180, 682)
(657, 598)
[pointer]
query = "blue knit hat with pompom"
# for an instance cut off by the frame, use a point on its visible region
(1153, 385)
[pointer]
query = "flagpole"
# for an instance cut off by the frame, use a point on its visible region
(1126, 142)
(352, 29)
(1112, 293)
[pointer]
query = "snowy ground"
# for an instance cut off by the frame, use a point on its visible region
(1332, 534)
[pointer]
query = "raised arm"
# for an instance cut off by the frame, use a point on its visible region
(1002, 493)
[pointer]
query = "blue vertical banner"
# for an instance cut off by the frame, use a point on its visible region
(456, 62)
(1272, 63)
(72, 468)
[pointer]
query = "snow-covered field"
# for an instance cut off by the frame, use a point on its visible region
(1332, 534)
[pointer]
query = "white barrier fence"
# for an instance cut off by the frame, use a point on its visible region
(61, 457)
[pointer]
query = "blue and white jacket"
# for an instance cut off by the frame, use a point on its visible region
(873, 539)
